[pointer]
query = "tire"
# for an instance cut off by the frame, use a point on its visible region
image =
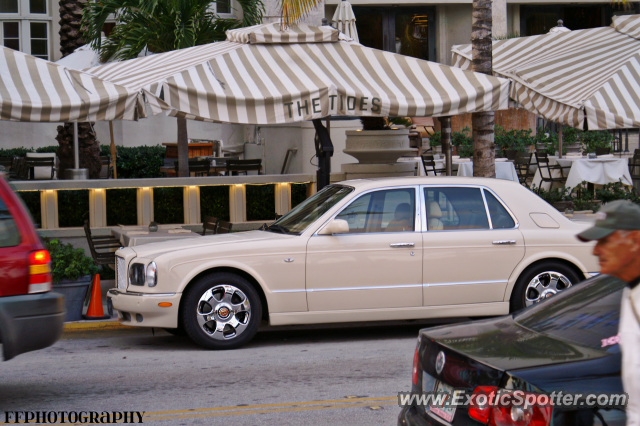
(552, 278)
(221, 311)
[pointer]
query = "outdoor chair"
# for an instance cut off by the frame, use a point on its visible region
(198, 167)
(634, 166)
(47, 163)
(224, 227)
(6, 162)
(522, 164)
(243, 166)
(429, 165)
(106, 172)
(101, 247)
(210, 223)
(545, 168)
(19, 169)
(603, 151)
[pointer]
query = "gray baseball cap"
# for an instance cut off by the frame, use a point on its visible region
(616, 215)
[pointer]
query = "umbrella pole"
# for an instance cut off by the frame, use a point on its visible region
(114, 151)
(445, 127)
(76, 150)
(324, 152)
(560, 141)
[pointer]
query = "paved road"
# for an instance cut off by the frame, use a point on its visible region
(312, 376)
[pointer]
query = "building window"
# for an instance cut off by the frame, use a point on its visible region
(409, 31)
(39, 40)
(8, 6)
(11, 35)
(535, 20)
(38, 6)
(223, 6)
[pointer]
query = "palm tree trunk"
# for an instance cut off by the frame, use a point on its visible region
(484, 148)
(183, 148)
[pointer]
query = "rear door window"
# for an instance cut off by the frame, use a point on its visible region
(9, 234)
(455, 208)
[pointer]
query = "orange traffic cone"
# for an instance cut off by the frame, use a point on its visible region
(95, 311)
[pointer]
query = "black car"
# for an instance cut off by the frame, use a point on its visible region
(566, 343)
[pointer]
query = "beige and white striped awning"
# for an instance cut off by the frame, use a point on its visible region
(567, 76)
(280, 81)
(32, 89)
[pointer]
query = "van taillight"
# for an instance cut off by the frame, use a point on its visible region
(40, 280)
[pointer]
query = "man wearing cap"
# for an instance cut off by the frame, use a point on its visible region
(617, 232)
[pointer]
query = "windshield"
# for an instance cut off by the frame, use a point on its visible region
(585, 314)
(305, 213)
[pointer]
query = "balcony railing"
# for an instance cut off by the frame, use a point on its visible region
(191, 200)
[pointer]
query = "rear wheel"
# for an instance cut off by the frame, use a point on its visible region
(540, 282)
(221, 311)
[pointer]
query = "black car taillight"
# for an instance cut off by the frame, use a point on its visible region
(136, 274)
(414, 376)
(499, 407)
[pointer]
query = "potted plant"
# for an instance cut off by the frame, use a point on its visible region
(463, 142)
(516, 140)
(595, 139)
(71, 271)
(560, 198)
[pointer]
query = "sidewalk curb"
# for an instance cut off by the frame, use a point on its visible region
(93, 326)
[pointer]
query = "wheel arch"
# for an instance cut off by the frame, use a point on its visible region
(570, 262)
(232, 270)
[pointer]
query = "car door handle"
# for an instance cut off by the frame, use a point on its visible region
(402, 245)
(504, 242)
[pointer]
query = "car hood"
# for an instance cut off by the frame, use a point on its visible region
(505, 345)
(223, 242)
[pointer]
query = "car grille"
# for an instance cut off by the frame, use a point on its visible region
(121, 273)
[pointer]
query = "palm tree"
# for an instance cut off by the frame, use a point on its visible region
(88, 145)
(162, 26)
(484, 148)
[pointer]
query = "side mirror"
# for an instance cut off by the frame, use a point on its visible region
(336, 226)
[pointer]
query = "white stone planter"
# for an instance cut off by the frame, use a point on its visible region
(378, 146)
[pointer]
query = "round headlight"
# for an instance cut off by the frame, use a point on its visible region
(152, 274)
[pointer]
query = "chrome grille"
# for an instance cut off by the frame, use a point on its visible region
(121, 273)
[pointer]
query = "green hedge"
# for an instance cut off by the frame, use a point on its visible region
(21, 152)
(137, 162)
(167, 205)
(31, 199)
(122, 207)
(298, 193)
(73, 207)
(261, 202)
(214, 201)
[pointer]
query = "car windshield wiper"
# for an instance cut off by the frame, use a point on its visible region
(278, 228)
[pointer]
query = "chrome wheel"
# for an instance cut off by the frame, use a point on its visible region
(223, 312)
(545, 285)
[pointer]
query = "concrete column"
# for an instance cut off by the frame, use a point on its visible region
(443, 54)
(311, 189)
(283, 198)
(49, 209)
(191, 205)
(98, 208)
(499, 13)
(145, 205)
(237, 203)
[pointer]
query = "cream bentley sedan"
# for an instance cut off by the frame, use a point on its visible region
(361, 250)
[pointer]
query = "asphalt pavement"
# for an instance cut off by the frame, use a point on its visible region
(337, 375)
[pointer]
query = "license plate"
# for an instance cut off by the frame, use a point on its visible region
(445, 412)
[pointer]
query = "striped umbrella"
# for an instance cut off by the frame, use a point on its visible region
(32, 89)
(345, 20)
(569, 75)
(262, 75)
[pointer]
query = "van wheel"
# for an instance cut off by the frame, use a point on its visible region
(540, 282)
(221, 311)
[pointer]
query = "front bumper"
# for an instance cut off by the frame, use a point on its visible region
(30, 322)
(143, 310)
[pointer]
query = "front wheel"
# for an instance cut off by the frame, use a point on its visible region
(221, 311)
(541, 282)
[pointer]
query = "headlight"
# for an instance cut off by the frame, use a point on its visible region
(152, 276)
(136, 274)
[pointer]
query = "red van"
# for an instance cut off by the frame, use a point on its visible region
(31, 316)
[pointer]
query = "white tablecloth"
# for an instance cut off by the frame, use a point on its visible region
(599, 171)
(504, 170)
(128, 238)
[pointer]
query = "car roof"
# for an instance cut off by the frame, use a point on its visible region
(429, 180)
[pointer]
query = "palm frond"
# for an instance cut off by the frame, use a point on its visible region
(293, 11)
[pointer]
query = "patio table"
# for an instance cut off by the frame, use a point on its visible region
(130, 237)
(599, 171)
